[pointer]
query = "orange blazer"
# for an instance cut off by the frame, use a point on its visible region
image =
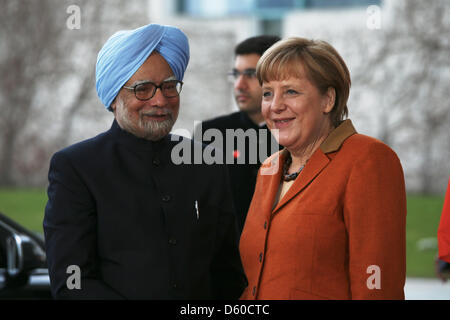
(339, 231)
(444, 229)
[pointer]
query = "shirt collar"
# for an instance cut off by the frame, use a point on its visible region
(337, 137)
(249, 122)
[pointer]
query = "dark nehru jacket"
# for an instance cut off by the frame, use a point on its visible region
(242, 176)
(139, 226)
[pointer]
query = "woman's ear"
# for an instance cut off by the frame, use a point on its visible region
(329, 100)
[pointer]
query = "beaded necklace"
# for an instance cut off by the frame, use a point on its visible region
(286, 165)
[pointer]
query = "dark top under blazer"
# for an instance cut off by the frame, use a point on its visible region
(125, 214)
(242, 176)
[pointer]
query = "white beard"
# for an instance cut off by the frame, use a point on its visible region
(150, 130)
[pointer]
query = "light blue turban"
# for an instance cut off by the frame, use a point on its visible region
(124, 53)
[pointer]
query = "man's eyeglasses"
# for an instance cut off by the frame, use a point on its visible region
(146, 90)
(247, 73)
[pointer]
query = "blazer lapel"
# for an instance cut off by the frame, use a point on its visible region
(315, 165)
(318, 161)
(270, 174)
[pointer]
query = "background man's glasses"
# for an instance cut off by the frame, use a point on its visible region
(247, 73)
(146, 90)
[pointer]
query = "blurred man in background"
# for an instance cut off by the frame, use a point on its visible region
(248, 96)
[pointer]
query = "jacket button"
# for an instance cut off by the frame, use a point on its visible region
(166, 198)
(156, 162)
(172, 241)
(260, 257)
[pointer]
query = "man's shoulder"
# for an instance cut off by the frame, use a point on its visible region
(228, 121)
(88, 147)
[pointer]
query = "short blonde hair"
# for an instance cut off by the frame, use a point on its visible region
(323, 65)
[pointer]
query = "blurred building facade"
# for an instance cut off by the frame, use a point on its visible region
(396, 50)
(215, 27)
(375, 38)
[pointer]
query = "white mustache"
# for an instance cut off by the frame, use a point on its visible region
(159, 112)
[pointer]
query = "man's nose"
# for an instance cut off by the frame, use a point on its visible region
(158, 98)
(241, 82)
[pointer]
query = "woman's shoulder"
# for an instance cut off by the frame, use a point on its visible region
(360, 144)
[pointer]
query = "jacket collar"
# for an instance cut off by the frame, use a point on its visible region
(318, 161)
(135, 143)
(337, 137)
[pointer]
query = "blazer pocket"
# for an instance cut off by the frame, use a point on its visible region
(298, 294)
(304, 253)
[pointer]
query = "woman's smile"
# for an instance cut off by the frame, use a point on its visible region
(282, 123)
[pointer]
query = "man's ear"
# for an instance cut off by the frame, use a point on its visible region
(113, 105)
(329, 100)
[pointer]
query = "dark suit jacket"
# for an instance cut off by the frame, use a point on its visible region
(242, 176)
(126, 215)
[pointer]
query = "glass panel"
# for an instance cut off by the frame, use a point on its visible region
(216, 8)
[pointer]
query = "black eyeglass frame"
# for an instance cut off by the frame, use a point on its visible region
(248, 73)
(156, 87)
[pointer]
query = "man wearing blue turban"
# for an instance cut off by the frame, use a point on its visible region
(122, 220)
